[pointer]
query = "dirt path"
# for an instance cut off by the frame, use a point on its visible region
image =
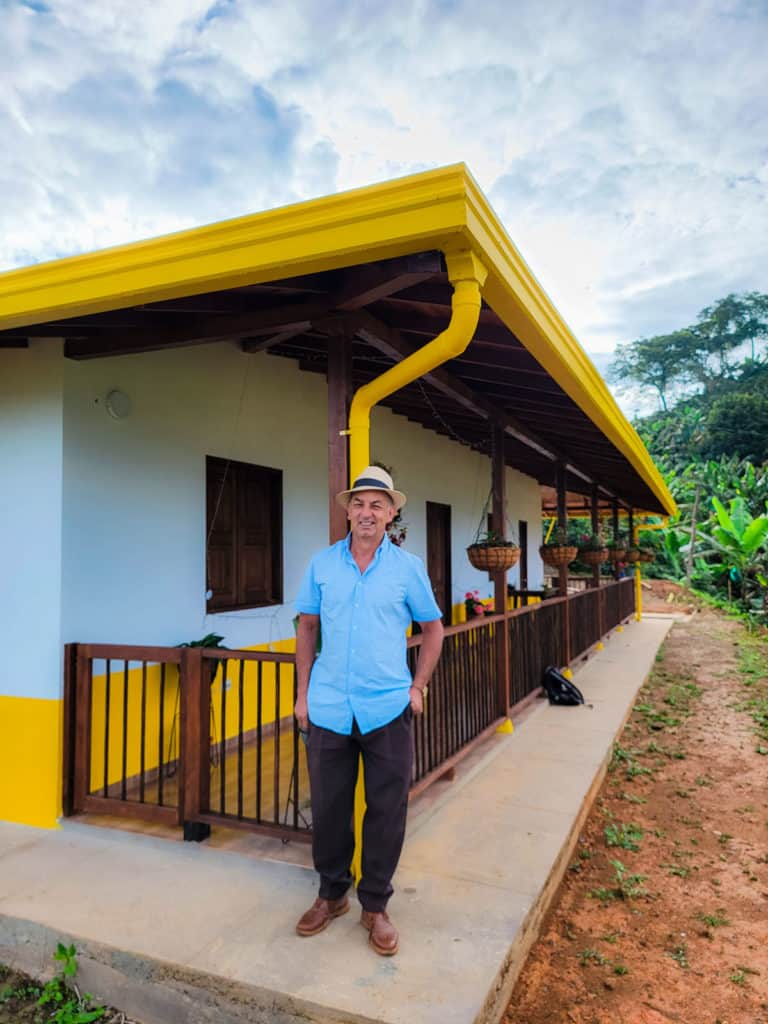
(663, 914)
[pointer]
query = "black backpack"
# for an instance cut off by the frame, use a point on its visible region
(559, 689)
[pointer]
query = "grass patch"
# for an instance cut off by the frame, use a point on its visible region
(717, 920)
(627, 837)
(626, 886)
(680, 955)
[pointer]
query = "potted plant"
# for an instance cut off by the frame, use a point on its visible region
(632, 554)
(592, 550)
(476, 607)
(647, 555)
(558, 551)
(490, 552)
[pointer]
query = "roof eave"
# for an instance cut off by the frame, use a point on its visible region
(441, 209)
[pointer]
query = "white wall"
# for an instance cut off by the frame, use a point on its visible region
(30, 519)
(134, 489)
(429, 467)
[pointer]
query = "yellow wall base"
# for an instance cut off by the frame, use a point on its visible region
(567, 673)
(599, 646)
(506, 726)
(30, 761)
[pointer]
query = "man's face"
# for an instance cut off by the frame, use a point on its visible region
(369, 513)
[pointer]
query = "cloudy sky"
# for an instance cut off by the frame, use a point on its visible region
(623, 143)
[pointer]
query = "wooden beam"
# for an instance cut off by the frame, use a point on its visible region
(389, 341)
(376, 281)
(14, 342)
(339, 399)
(362, 286)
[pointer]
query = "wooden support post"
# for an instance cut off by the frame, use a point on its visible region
(339, 399)
(562, 524)
(616, 570)
(82, 738)
(596, 531)
(596, 569)
(70, 713)
(194, 690)
(498, 521)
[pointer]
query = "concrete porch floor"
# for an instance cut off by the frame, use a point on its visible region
(175, 932)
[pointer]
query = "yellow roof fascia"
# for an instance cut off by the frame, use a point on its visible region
(441, 209)
(409, 215)
(515, 295)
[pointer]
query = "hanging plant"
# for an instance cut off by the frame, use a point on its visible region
(557, 551)
(490, 552)
(592, 550)
(617, 550)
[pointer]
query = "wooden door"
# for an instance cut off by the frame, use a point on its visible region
(439, 555)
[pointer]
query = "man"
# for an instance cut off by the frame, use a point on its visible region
(358, 698)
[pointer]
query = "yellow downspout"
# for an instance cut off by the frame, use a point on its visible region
(467, 275)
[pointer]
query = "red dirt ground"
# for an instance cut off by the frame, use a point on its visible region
(687, 942)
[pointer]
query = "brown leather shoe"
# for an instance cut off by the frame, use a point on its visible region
(382, 934)
(320, 915)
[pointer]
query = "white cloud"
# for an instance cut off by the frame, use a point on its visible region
(622, 144)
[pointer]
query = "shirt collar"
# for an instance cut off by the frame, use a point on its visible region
(385, 543)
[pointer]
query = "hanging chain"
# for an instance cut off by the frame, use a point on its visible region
(443, 423)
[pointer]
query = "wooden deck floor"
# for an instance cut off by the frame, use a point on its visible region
(234, 790)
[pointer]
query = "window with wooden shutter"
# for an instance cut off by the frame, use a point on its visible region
(244, 531)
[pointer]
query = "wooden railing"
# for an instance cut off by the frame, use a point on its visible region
(536, 638)
(461, 705)
(205, 737)
(257, 776)
(586, 612)
(122, 731)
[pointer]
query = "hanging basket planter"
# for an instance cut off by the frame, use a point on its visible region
(490, 558)
(593, 556)
(647, 556)
(558, 555)
(632, 555)
(617, 554)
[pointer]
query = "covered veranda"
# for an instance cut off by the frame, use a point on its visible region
(409, 295)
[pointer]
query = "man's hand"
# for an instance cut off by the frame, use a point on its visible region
(301, 713)
(306, 645)
(417, 700)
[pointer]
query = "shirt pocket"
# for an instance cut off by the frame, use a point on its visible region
(334, 599)
(386, 597)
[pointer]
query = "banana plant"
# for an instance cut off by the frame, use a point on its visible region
(736, 546)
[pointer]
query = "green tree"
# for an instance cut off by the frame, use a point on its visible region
(738, 424)
(726, 326)
(658, 362)
(703, 356)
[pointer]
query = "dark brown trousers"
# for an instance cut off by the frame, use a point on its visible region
(387, 765)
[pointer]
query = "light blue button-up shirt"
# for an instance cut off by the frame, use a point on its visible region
(361, 672)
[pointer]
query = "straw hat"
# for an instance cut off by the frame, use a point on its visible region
(373, 478)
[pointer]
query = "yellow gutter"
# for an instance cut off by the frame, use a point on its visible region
(467, 274)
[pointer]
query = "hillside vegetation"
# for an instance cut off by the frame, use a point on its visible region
(710, 441)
